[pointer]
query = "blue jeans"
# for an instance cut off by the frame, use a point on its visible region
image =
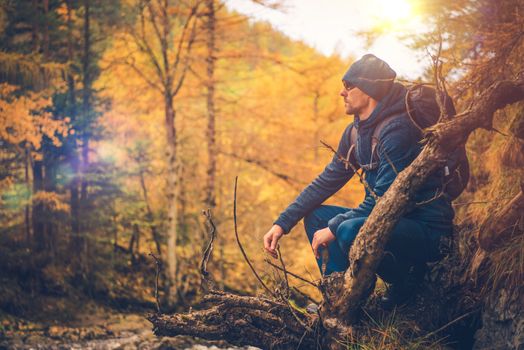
(410, 243)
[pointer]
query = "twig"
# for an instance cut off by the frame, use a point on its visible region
(301, 339)
(347, 162)
(158, 266)
(305, 295)
(292, 274)
(440, 83)
(325, 259)
(292, 310)
(206, 278)
(448, 324)
(438, 194)
(499, 132)
(284, 270)
(483, 202)
(387, 158)
(240, 245)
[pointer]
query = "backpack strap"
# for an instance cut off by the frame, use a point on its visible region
(376, 133)
(352, 141)
(350, 157)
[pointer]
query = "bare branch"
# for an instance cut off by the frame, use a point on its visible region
(347, 162)
(240, 244)
(148, 81)
(161, 37)
(187, 55)
(284, 271)
(143, 46)
(292, 274)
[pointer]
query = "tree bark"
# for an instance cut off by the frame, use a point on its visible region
(86, 96)
(149, 213)
(210, 97)
(86, 115)
(499, 228)
(27, 209)
(71, 141)
(38, 210)
(172, 214)
(241, 320)
(343, 293)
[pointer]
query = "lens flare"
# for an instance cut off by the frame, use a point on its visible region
(395, 10)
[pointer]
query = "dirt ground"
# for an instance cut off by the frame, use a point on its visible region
(96, 328)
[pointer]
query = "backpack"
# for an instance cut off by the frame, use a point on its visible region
(423, 110)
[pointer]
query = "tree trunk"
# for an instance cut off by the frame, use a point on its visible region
(27, 211)
(38, 165)
(134, 244)
(172, 184)
(210, 200)
(38, 208)
(500, 228)
(86, 97)
(171, 63)
(71, 141)
(45, 38)
(86, 115)
(210, 97)
(149, 214)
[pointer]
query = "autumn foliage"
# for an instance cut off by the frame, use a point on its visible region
(120, 121)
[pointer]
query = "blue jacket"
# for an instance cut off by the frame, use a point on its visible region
(399, 144)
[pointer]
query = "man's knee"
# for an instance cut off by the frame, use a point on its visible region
(312, 221)
(318, 218)
(347, 231)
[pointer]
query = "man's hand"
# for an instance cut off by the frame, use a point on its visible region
(321, 239)
(271, 239)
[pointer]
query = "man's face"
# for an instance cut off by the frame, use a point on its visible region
(355, 100)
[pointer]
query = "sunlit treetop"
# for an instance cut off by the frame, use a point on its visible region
(397, 16)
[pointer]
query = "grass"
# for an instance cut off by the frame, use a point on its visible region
(389, 331)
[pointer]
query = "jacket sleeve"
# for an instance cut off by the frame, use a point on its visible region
(333, 178)
(395, 152)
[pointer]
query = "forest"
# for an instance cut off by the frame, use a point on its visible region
(147, 146)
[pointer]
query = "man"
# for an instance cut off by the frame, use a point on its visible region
(378, 104)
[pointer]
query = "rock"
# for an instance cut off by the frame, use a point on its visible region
(502, 322)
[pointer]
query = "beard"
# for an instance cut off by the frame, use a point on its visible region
(350, 109)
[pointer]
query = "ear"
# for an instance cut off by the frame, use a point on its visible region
(371, 100)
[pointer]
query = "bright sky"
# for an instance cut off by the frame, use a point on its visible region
(330, 26)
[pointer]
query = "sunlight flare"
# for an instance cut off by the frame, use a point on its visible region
(395, 10)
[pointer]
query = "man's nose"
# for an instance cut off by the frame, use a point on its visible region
(343, 92)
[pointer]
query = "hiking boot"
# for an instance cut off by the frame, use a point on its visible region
(402, 292)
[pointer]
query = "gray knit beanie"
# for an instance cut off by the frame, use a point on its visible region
(371, 75)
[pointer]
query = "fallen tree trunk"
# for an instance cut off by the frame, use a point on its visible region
(241, 320)
(342, 305)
